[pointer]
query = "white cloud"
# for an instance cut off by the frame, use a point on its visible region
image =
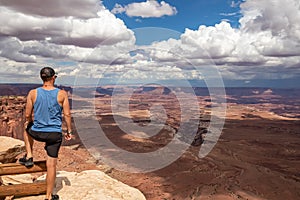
(218, 41)
(267, 40)
(105, 28)
(45, 49)
(57, 8)
(11, 48)
(281, 18)
(234, 4)
(150, 8)
(266, 45)
(229, 14)
(38, 35)
(276, 24)
(18, 72)
(105, 54)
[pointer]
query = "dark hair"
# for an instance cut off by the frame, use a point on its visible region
(47, 73)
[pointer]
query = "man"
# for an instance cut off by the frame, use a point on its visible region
(46, 103)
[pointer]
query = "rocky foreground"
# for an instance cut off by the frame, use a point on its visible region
(89, 184)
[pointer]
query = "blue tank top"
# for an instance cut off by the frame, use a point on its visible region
(47, 111)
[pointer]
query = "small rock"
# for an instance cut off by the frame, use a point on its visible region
(73, 147)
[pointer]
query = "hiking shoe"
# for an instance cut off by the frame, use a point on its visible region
(27, 162)
(54, 197)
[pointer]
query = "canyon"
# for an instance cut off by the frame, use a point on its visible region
(255, 157)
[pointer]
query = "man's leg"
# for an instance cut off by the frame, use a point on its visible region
(51, 175)
(28, 144)
(52, 147)
(27, 160)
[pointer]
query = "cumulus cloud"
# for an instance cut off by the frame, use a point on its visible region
(69, 22)
(16, 72)
(105, 28)
(219, 41)
(57, 8)
(71, 31)
(279, 17)
(265, 45)
(150, 8)
(11, 48)
(266, 41)
(276, 24)
(105, 54)
(45, 49)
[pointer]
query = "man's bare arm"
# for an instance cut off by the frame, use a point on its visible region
(67, 114)
(29, 107)
(67, 111)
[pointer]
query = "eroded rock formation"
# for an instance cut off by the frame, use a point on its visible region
(12, 111)
(10, 148)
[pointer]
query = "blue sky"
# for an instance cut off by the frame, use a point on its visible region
(190, 14)
(242, 42)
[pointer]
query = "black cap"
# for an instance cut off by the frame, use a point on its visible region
(47, 72)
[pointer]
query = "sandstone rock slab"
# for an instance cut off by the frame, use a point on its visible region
(10, 148)
(17, 179)
(90, 185)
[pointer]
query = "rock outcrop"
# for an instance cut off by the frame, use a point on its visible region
(12, 111)
(89, 185)
(10, 148)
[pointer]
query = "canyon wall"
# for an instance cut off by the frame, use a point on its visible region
(12, 116)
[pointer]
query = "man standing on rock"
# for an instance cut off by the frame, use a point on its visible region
(46, 103)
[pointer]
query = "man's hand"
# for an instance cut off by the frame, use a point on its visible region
(69, 135)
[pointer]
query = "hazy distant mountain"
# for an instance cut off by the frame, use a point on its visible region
(22, 89)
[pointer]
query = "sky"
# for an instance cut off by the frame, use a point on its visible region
(241, 43)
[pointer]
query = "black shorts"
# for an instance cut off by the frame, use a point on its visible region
(53, 141)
